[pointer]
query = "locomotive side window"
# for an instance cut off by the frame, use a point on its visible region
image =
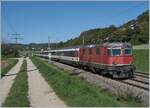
(109, 52)
(97, 51)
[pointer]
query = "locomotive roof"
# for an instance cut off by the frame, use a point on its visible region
(73, 48)
(117, 44)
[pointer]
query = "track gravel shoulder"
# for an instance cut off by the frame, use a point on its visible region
(7, 81)
(40, 93)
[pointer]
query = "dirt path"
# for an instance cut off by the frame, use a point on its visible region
(40, 93)
(7, 81)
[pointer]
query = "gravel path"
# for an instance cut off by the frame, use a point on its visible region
(7, 81)
(40, 93)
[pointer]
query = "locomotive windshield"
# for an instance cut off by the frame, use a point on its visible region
(114, 52)
(127, 51)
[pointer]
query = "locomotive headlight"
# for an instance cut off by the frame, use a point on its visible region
(114, 63)
(131, 62)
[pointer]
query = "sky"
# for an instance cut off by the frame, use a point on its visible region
(36, 20)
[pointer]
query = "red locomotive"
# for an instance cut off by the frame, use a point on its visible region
(113, 59)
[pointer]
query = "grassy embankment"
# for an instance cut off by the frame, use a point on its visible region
(4, 70)
(75, 91)
(18, 95)
(141, 60)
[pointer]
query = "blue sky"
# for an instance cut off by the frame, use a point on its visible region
(35, 21)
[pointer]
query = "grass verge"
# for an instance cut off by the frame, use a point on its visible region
(75, 91)
(18, 95)
(5, 70)
(141, 60)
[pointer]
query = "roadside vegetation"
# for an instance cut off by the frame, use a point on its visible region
(9, 65)
(9, 50)
(76, 92)
(141, 60)
(18, 95)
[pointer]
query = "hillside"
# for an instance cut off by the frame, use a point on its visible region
(135, 31)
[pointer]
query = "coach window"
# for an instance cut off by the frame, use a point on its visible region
(97, 51)
(52, 53)
(62, 54)
(70, 53)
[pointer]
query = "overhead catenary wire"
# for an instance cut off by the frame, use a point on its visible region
(10, 25)
(7, 18)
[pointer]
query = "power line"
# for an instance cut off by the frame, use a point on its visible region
(16, 38)
(7, 19)
(8, 22)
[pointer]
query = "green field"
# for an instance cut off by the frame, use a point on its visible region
(12, 62)
(18, 95)
(76, 92)
(141, 60)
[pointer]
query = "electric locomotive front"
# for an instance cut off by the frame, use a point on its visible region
(120, 60)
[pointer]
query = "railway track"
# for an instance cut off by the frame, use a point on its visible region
(136, 84)
(140, 80)
(141, 74)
